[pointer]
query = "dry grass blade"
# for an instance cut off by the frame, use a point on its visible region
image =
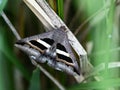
(10, 25)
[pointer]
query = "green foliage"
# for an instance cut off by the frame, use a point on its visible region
(8, 59)
(110, 83)
(60, 8)
(6, 69)
(7, 51)
(35, 80)
(2, 4)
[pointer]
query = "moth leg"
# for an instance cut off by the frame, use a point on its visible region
(33, 57)
(41, 58)
(63, 67)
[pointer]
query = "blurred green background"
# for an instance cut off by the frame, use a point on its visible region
(95, 23)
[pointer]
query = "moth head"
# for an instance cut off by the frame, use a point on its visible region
(62, 28)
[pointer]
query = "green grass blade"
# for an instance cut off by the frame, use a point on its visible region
(2, 4)
(98, 85)
(35, 80)
(6, 69)
(6, 74)
(60, 8)
(7, 51)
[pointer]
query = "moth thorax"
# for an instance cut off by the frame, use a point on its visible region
(59, 35)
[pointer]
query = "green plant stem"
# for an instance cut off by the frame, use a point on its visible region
(60, 8)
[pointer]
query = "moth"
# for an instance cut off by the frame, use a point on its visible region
(53, 48)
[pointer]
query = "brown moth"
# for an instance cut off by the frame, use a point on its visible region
(52, 47)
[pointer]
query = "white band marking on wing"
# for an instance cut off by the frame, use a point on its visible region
(62, 53)
(57, 50)
(43, 43)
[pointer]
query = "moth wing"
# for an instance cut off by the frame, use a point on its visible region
(68, 48)
(39, 42)
(40, 36)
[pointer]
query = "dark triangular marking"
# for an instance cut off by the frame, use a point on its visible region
(48, 41)
(61, 47)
